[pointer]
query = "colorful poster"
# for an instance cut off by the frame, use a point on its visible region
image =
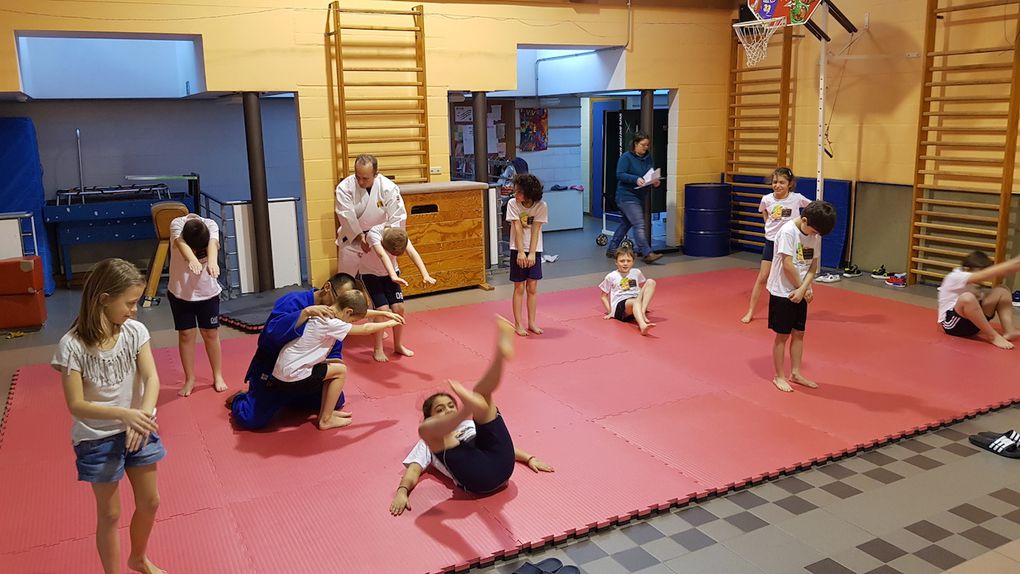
(534, 129)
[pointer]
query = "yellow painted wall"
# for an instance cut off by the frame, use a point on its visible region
(277, 45)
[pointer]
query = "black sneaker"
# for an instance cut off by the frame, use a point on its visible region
(851, 271)
(611, 253)
(880, 273)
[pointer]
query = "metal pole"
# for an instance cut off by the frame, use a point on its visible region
(259, 191)
(81, 172)
(823, 12)
(648, 126)
(480, 108)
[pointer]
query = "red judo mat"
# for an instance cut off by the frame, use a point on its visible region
(631, 424)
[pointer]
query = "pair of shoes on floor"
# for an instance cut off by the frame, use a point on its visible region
(577, 187)
(1003, 444)
(1016, 298)
(851, 271)
(896, 280)
(880, 273)
(547, 566)
(652, 257)
(558, 188)
(828, 278)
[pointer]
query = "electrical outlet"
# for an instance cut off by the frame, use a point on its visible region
(867, 20)
(435, 170)
(912, 55)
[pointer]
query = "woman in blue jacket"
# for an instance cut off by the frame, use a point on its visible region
(630, 196)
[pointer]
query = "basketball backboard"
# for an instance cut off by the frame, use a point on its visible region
(796, 12)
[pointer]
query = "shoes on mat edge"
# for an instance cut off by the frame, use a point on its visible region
(547, 566)
(1001, 445)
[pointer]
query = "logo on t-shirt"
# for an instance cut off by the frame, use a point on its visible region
(379, 204)
(625, 283)
(805, 253)
(780, 212)
(527, 220)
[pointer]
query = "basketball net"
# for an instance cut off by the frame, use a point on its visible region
(755, 36)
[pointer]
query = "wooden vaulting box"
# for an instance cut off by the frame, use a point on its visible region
(446, 224)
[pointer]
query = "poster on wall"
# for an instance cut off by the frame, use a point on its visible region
(463, 114)
(534, 129)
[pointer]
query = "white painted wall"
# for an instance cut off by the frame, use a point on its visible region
(585, 72)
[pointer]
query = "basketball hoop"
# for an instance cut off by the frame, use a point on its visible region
(755, 36)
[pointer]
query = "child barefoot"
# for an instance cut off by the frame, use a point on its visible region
(526, 213)
(194, 294)
(625, 292)
(964, 313)
(303, 364)
(110, 385)
(778, 207)
(468, 443)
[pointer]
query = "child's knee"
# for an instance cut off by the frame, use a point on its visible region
(147, 503)
(782, 337)
(999, 292)
(398, 308)
(966, 299)
(797, 335)
(210, 335)
(109, 514)
(336, 370)
(519, 287)
(187, 335)
(532, 286)
(650, 283)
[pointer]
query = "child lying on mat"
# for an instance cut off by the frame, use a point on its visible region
(626, 293)
(303, 364)
(468, 443)
(964, 313)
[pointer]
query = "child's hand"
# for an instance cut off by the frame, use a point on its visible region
(428, 280)
(321, 311)
(136, 440)
(214, 269)
(796, 296)
(531, 260)
(139, 421)
(538, 466)
(809, 295)
(394, 317)
(607, 316)
(396, 279)
(399, 503)
(522, 260)
(195, 267)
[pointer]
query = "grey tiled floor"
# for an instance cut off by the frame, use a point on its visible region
(925, 504)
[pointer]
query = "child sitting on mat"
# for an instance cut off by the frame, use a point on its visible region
(964, 313)
(626, 293)
(303, 363)
(468, 443)
(526, 213)
(381, 276)
(798, 251)
(110, 386)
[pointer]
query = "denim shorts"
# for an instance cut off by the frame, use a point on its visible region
(104, 460)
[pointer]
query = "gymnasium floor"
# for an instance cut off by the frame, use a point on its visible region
(926, 504)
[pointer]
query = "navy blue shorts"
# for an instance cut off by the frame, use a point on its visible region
(309, 384)
(204, 314)
(518, 273)
(786, 316)
(383, 290)
(104, 460)
(484, 464)
(768, 251)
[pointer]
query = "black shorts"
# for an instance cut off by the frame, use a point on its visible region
(306, 385)
(519, 274)
(621, 311)
(958, 326)
(768, 251)
(786, 316)
(383, 290)
(189, 314)
(484, 464)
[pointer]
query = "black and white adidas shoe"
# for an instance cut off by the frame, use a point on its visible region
(1002, 445)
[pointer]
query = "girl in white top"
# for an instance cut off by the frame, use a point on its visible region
(526, 213)
(194, 294)
(776, 208)
(111, 385)
(469, 443)
(626, 293)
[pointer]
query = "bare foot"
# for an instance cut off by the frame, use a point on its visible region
(505, 342)
(343, 414)
(475, 400)
(380, 356)
(186, 389)
(646, 327)
(802, 380)
(521, 331)
(220, 385)
(144, 565)
(402, 350)
(782, 385)
(334, 422)
(535, 329)
(1001, 342)
(747, 318)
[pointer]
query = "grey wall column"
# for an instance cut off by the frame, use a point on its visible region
(648, 126)
(259, 190)
(480, 107)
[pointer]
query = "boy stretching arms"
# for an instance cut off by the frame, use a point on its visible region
(795, 263)
(964, 313)
(381, 276)
(302, 364)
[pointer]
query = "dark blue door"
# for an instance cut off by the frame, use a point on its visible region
(598, 120)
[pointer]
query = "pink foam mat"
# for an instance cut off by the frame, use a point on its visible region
(687, 411)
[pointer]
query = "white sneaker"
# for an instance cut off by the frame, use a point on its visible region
(828, 278)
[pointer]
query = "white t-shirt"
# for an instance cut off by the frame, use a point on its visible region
(184, 284)
(360, 210)
(779, 211)
(956, 283)
(537, 213)
(621, 288)
(802, 248)
(421, 454)
(297, 357)
(109, 378)
(371, 264)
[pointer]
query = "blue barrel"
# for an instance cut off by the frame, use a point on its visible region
(707, 219)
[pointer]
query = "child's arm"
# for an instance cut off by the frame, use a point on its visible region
(802, 286)
(150, 381)
(788, 269)
(608, 307)
(388, 314)
(536, 230)
(212, 258)
(193, 263)
(518, 231)
(416, 259)
(995, 271)
(387, 264)
(407, 484)
(74, 396)
(372, 328)
(532, 461)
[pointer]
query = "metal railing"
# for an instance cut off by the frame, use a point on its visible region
(21, 216)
